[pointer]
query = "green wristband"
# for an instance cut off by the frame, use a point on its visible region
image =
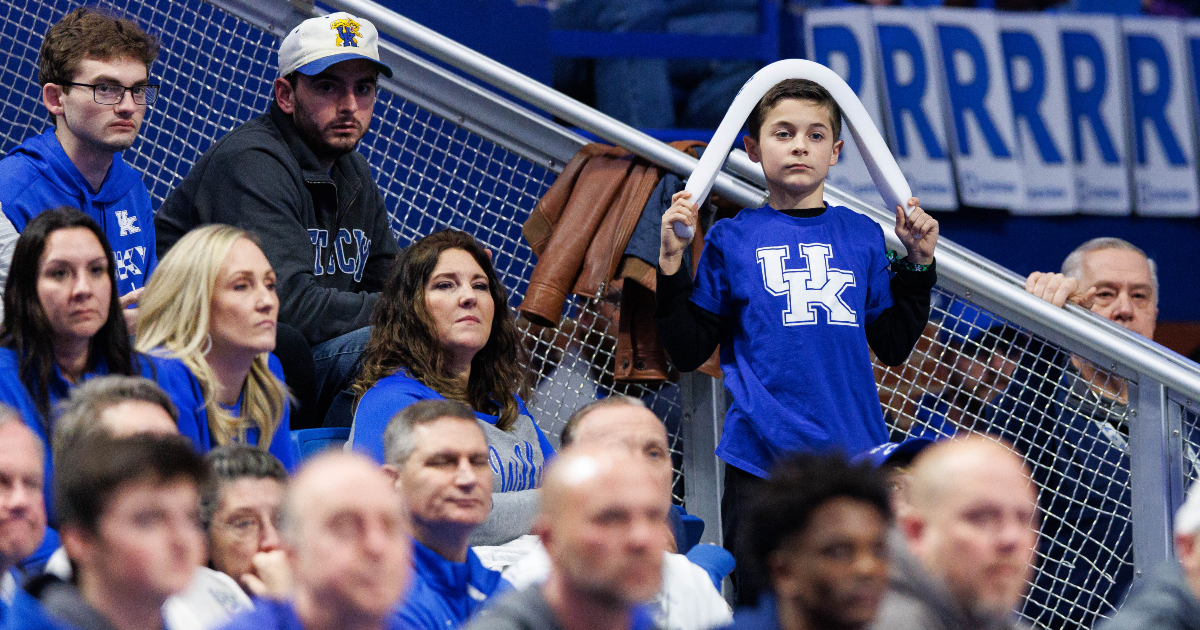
(904, 263)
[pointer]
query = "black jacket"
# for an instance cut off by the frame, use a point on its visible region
(327, 235)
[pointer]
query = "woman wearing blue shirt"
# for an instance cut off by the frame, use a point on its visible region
(442, 329)
(63, 321)
(208, 320)
(62, 325)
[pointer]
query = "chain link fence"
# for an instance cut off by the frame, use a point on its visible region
(971, 371)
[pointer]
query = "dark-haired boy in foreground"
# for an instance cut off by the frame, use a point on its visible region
(816, 534)
(797, 293)
(128, 512)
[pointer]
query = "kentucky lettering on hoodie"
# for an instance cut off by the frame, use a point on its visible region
(38, 176)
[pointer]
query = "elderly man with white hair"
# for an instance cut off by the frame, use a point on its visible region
(1171, 599)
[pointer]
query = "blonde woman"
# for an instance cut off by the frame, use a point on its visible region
(208, 320)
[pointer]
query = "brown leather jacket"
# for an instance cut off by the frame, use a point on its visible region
(579, 231)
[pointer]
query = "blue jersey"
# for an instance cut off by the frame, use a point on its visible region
(518, 464)
(181, 385)
(38, 176)
(444, 594)
(798, 293)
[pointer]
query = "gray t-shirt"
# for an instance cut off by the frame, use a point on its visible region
(517, 464)
(526, 609)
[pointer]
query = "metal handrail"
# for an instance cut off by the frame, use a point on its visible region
(989, 284)
(538, 94)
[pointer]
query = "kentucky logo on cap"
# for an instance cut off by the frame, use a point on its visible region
(310, 48)
(347, 32)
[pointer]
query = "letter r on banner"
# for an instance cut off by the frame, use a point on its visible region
(1148, 51)
(893, 41)
(970, 95)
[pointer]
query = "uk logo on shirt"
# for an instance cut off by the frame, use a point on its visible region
(817, 287)
(127, 223)
(128, 262)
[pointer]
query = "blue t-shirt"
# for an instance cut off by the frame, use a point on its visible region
(38, 176)
(271, 614)
(798, 293)
(444, 594)
(181, 385)
(392, 393)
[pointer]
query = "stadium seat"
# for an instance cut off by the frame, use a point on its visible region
(689, 534)
(309, 442)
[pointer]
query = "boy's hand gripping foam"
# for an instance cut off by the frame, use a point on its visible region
(892, 185)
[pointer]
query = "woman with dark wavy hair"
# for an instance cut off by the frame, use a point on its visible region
(442, 329)
(62, 324)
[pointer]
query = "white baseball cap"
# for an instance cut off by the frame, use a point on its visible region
(323, 41)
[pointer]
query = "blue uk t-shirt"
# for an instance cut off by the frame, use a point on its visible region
(798, 293)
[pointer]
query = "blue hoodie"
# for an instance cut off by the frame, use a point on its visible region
(445, 594)
(38, 176)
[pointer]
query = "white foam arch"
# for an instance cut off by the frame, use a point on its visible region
(885, 172)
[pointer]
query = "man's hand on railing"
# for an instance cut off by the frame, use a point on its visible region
(1058, 289)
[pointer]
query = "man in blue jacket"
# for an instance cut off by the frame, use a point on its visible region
(346, 536)
(22, 519)
(95, 76)
(438, 458)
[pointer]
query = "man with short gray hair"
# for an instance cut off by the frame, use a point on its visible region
(1088, 530)
(438, 459)
(1112, 277)
(22, 518)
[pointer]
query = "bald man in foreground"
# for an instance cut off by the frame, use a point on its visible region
(602, 525)
(347, 538)
(970, 535)
(688, 599)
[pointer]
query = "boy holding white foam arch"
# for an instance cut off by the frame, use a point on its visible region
(795, 293)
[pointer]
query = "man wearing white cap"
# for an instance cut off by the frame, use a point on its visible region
(292, 176)
(1171, 600)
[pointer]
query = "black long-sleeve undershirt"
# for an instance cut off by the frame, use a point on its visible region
(690, 333)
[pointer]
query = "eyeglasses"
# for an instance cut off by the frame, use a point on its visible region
(249, 526)
(113, 94)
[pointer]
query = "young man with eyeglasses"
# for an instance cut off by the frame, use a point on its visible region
(95, 76)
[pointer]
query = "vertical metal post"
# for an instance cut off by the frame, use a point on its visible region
(1150, 464)
(703, 400)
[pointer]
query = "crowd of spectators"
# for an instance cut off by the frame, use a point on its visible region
(148, 479)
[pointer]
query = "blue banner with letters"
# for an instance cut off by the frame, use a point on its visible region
(1037, 90)
(1040, 114)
